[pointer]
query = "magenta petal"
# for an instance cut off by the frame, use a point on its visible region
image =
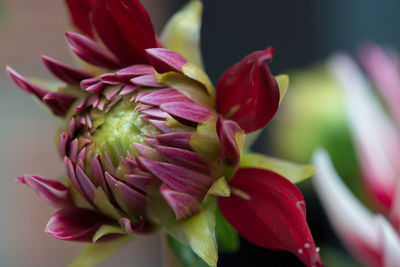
(184, 158)
(187, 111)
(227, 132)
(65, 73)
(274, 212)
(163, 96)
(140, 181)
(52, 191)
(148, 80)
(248, 93)
(165, 60)
(127, 89)
(59, 103)
(75, 224)
(62, 144)
(91, 52)
(134, 71)
(135, 198)
(80, 14)
(86, 184)
(176, 139)
(98, 173)
(26, 85)
(178, 178)
(182, 204)
(110, 78)
(155, 112)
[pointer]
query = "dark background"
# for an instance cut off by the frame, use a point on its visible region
(302, 32)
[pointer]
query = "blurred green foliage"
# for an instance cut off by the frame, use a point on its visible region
(312, 115)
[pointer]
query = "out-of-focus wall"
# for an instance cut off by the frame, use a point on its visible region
(27, 145)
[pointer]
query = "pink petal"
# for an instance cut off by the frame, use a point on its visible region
(148, 80)
(140, 181)
(86, 184)
(135, 198)
(176, 139)
(134, 71)
(182, 204)
(80, 14)
(184, 158)
(127, 89)
(91, 52)
(65, 73)
(52, 191)
(227, 131)
(269, 210)
(178, 178)
(187, 111)
(163, 96)
(75, 224)
(248, 93)
(165, 60)
(383, 69)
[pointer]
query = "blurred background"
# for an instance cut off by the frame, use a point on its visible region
(303, 34)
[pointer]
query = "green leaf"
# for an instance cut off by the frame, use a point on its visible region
(185, 254)
(291, 171)
(107, 229)
(93, 254)
(200, 234)
(227, 237)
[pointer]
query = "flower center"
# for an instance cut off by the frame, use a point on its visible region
(119, 129)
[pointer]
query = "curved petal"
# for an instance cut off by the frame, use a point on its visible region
(75, 224)
(65, 73)
(52, 191)
(232, 140)
(378, 142)
(390, 243)
(248, 93)
(268, 210)
(354, 224)
(125, 28)
(79, 11)
(182, 32)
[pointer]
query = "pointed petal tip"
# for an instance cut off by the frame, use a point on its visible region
(165, 60)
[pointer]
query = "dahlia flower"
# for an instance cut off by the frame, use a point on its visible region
(148, 143)
(373, 239)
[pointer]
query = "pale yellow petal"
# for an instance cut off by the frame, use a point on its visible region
(283, 83)
(182, 32)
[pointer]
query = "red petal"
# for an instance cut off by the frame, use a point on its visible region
(76, 224)
(125, 28)
(79, 11)
(269, 210)
(248, 93)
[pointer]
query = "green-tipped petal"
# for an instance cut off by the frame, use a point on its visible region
(220, 188)
(283, 83)
(291, 171)
(93, 254)
(200, 234)
(104, 205)
(182, 32)
(107, 229)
